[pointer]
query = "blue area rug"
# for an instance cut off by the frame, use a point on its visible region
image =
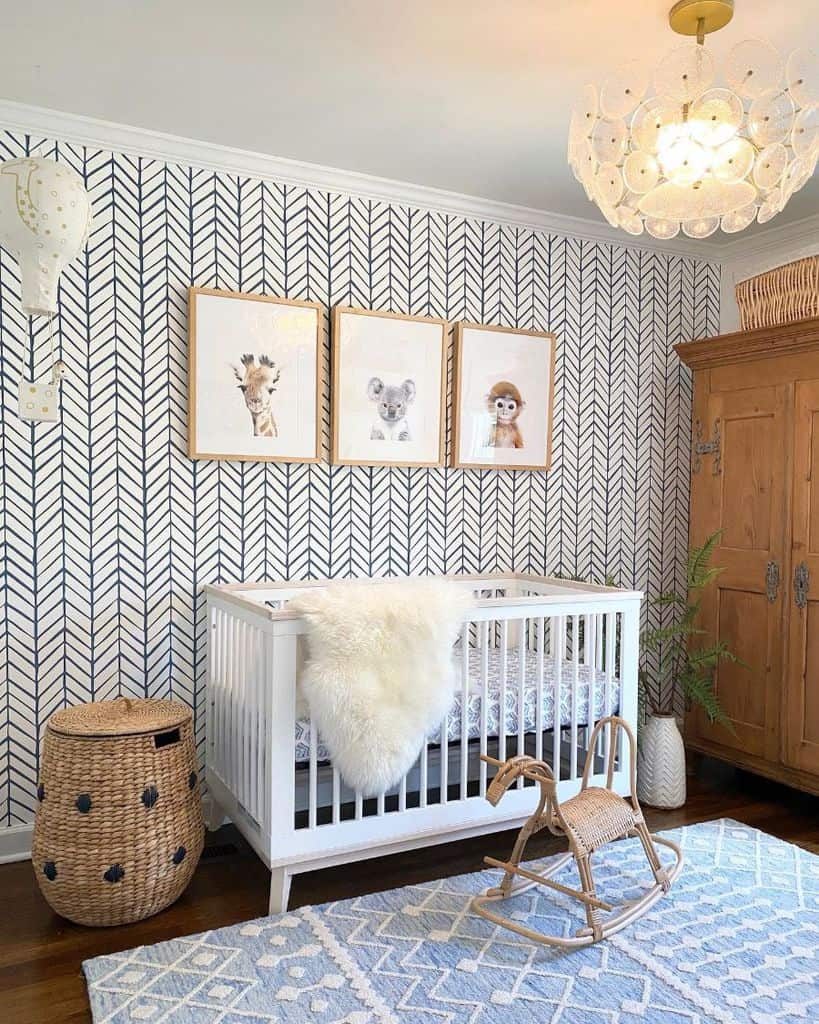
(736, 940)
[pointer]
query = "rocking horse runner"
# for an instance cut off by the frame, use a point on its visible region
(594, 817)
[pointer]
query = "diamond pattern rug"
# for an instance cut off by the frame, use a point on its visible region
(736, 940)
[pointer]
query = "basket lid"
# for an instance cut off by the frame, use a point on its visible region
(124, 716)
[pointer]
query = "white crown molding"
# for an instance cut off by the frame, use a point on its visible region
(15, 843)
(769, 249)
(89, 131)
(747, 257)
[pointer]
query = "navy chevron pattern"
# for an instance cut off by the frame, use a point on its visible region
(108, 529)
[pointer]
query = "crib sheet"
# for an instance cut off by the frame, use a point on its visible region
(586, 676)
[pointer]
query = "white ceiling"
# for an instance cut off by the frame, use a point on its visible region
(473, 97)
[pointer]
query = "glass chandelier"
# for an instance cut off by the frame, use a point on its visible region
(692, 153)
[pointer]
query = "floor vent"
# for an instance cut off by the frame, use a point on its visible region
(219, 850)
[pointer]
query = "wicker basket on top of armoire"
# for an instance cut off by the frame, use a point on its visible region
(780, 296)
(119, 826)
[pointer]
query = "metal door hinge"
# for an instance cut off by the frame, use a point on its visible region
(772, 581)
(702, 447)
(801, 585)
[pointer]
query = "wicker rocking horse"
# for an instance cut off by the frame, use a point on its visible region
(591, 819)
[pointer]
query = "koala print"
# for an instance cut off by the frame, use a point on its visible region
(391, 402)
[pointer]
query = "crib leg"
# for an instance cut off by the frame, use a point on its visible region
(279, 890)
(213, 814)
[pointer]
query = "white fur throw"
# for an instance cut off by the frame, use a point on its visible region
(379, 675)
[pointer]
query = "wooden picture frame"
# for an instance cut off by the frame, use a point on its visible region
(368, 360)
(289, 339)
(473, 386)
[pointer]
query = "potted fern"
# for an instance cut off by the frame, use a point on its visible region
(683, 660)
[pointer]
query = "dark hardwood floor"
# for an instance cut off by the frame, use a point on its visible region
(40, 953)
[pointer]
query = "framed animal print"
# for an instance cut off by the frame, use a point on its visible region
(389, 388)
(503, 397)
(255, 377)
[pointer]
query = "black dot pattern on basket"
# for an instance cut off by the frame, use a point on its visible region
(115, 873)
(50, 870)
(192, 780)
(179, 855)
(150, 795)
(83, 803)
(41, 792)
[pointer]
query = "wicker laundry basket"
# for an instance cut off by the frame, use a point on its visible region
(119, 825)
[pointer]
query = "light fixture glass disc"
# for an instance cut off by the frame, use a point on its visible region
(623, 90)
(640, 171)
(770, 166)
(715, 117)
(608, 139)
(770, 117)
(663, 229)
(796, 176)
(701, 228)
(587, 107)
(629, 221)
(703, 200)
(685, 73)
(805, 134)
(733, 160)
(684, 162)
(771, 206)
(802, 76)
(654, 120)
(738, 220)
(752, 67)
(609, 183)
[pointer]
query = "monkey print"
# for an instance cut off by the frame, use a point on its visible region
(391, 405)
(505, 405)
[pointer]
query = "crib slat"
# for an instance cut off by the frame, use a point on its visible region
(540, 654)
(402, 794)
(424, 773)
(234, 704)
(359, 806)
(336, 796)
(504, 635)
(444, 775)
(312, 795)
(575, 684)
(255, 719)
(558, 637)
(521, 625)
(611, 633)
(464, 752)
(484, 651)
(380, 805)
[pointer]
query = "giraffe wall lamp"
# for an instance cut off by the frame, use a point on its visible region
(45, 220)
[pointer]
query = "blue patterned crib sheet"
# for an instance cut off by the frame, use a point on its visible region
(588, 678)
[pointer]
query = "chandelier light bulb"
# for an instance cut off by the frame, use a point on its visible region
(693, 147)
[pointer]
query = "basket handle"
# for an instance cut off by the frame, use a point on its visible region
(128, 704)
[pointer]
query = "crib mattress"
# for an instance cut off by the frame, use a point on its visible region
(588, 678)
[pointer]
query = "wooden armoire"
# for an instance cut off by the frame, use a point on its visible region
(755, 477)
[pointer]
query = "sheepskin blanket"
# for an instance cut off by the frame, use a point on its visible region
(379, 673)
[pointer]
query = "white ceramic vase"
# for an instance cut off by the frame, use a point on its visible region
(661, 763)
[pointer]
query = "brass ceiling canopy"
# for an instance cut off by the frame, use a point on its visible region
(700, 17)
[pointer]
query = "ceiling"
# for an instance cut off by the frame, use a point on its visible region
(473, 97)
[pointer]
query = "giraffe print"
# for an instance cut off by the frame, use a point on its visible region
(257, 384)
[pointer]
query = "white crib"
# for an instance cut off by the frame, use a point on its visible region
(540, 661)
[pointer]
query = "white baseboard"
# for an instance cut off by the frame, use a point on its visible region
(15, 843)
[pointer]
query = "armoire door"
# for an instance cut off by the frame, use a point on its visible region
(739, 487)
(802, 706)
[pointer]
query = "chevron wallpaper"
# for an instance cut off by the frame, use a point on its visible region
(108, 528)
